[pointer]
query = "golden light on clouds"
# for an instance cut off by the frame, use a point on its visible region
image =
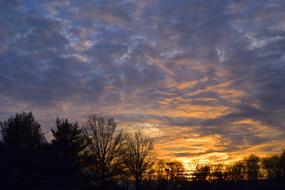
(190, 147)
(204, 90)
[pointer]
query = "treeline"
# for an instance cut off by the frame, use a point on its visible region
(252, 172)
(96, 155)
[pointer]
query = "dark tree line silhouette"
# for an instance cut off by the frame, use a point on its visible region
(96, 155)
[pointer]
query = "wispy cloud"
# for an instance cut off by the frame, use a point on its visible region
(205, 78)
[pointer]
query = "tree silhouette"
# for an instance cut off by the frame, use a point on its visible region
(22, 132)
(272, 166)
(68, 146)
(104, 146)
(252, 167)
(138, 156)
(218, 172)
(22, 141)
(282, 163)
(202, 173)
(160, 169)
(175, 170)
(100, 152)
(237, 172)
(68, 139)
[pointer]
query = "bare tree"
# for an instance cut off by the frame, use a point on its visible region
(138, 156)
(218, 173)
(273, 167)
(161, 170)
(202, 173)
(237, 172)
(253, 168)
(175, 170)
(104, 146)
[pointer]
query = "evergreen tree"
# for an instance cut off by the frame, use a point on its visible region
(22, 132)
(68, 139)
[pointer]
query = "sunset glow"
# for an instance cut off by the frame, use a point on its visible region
(205, 79)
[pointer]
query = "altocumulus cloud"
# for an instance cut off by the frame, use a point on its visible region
(212, 71)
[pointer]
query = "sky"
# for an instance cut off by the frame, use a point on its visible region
(204, 78)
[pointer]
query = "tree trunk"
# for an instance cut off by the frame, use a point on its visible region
(138, 182)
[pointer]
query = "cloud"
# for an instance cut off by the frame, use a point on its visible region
(172, 68)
